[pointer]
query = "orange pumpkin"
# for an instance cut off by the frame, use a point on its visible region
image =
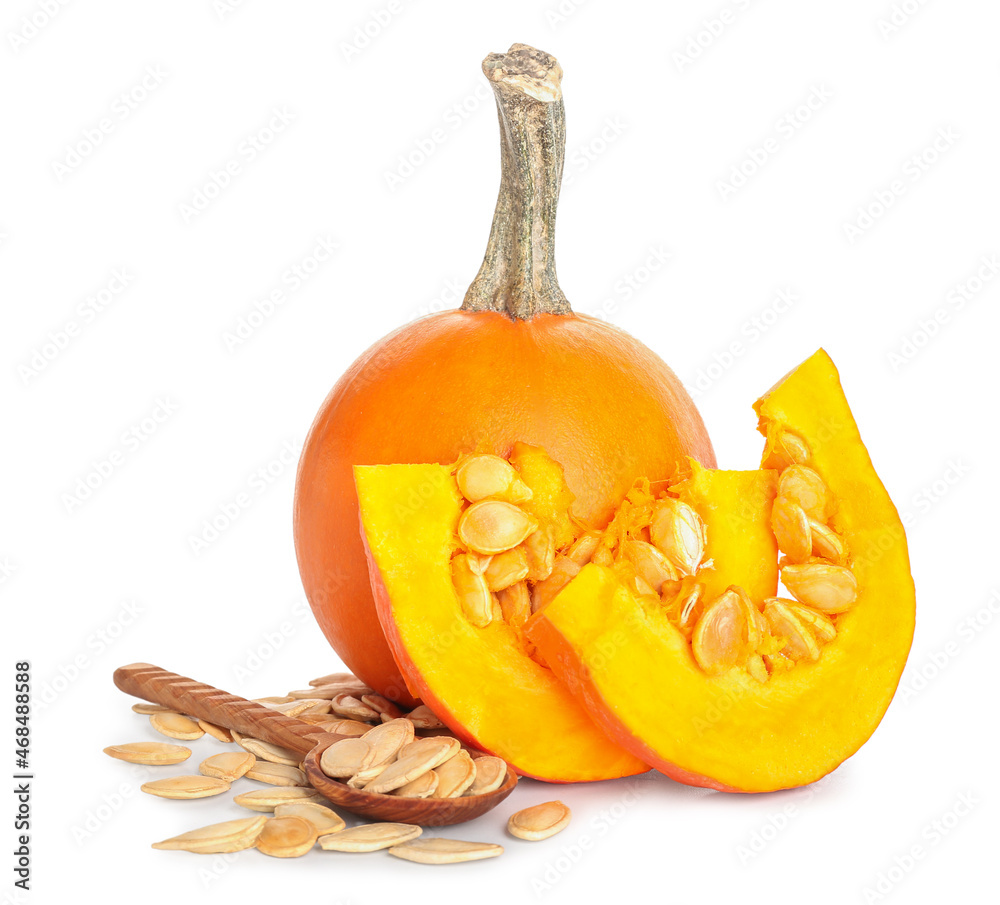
(513, 364)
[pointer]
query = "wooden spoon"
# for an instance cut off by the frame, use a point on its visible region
(257, 721)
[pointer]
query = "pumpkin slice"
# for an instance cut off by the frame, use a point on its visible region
(466, 657)
(763, 694)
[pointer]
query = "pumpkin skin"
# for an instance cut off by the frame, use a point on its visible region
(597, 400)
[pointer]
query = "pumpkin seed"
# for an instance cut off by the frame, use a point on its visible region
(582, 550)
(277, 774)
(218, 732)
(346, 727)
(490, 775)
(273, 753)
(423, 717)
(455, 775)
(564, 570)
(384, 743)
(822, 586)
(445, 851)
(334, 678)
(720, 636)
(286, 837)
(678, 531)
(268, 799)
(383, 706)
(790, 525)
(218, 838)
(346, 705)
(414, 760)
(323, 819)
(369, 837)
(515, 604)
(653, 566)
(296, 708)
(175, 725)
(482, 476)
(152, 753)
(492, 526)
(804, 487)
(343, 759)
(189, 786)
(145, 708)
(424, 786)
(473, 592)
(539, 821)
(540, 548)
(506, 568)
(790, 449)
(230, 765)
(827, 543)
(800, 642)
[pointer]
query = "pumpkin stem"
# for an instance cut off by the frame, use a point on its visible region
(518, 274)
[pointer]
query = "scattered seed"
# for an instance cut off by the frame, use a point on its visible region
(268, 799)
(145, 708)
(273, 753)
(383, 706)
(369, 837)
(323, 820)
(445, 851)
(346, 727)
(230, 765)
(152, 753)
(175, 725)
(540, 821)
(189, 786)
(218, 838)
(423, 717)
(346, 705)
(219, 732)
(286, 837)
(305, 705)
(277, 774)
(334, 678)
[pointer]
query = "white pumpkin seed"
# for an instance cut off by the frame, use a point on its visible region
(445, 851)
(268, 799)
(151, 753)
(219, 838)
(277, 774)
(369, 837)
(273, 753)
(230, 765)
(323, 820)
(175, 725)
(188, 786)
(219, 732)
(455, 775)
(286, 837)
(540, 821)
(490, 775)
(343, 759)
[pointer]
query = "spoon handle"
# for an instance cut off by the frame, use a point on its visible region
(219, 707)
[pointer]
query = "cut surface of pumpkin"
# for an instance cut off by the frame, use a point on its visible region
(757, 692)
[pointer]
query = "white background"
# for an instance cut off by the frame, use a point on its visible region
(654, 131)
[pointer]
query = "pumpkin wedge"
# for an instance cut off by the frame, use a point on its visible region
(757, 695)
(464, 656)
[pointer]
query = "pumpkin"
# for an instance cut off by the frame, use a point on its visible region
(756, 692)
(513, 364)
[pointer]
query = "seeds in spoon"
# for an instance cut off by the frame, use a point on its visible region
(268, 799)
(445, 851)
(277, 774)
(175, 725)
(151, 753)
(228, 836)
(384, 743)
(323, 820)
(191, 786)
(490, 775)
(455, 775)
(274, 753)
(344, 758)
(230, 765)
(422, 787)
(369, 837)
(540, 821)
(286, 837)
(414, 760)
